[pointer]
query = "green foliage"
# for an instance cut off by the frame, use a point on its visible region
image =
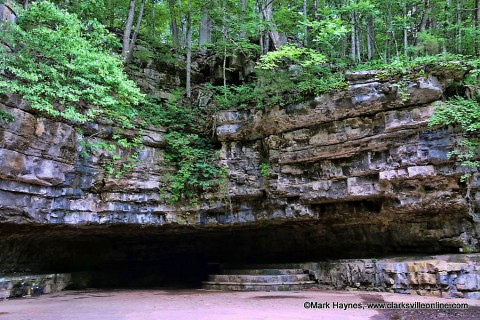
(196, 173)
(466, 114)
(418, 67)
(279, 87)
(121, 155)
(65, 69)
(85, 9)
(188, 150)
(289, 54)
(174, 114)
(4, 116)
(67, 72)
(234, 97)
(327, 32)
(458, 110)
(428, 43)
(264, 169)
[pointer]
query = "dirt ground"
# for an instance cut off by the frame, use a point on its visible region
(156, 304)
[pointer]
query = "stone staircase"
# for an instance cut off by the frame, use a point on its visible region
(260, 278)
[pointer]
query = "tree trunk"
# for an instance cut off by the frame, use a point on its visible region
(370, 49)
(204, 34)
(359, 57)
(459, 26)
(25, 5)
(305, 28)
(128, 29)
(315, 10)
(266, 10)
(173, 24)
(188, 86)
(137, 30)
(153, 20)
(405, 35)
(423, 24)
(183, 26)
(243, 10)
(353, 40)
(224, 38)
(477, 23)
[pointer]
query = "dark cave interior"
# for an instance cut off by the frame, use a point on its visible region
(140, 256)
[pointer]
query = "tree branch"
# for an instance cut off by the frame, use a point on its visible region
(11, 9)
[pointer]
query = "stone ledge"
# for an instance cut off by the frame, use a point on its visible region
(33, 285)
(445, 276)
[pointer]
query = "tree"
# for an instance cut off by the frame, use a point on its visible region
(128, 29)
(129, 40)
(188, 87)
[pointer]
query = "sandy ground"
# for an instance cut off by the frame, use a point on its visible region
(156, 304)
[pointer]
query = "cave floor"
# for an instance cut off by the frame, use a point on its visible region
(156, 304)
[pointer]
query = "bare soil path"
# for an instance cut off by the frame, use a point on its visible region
(193, 304)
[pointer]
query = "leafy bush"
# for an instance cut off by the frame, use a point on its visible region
(4, 116)
(466, 114)
(289, 54)
(195, 172)
(188, 150)
(279, 87)
(65, 68)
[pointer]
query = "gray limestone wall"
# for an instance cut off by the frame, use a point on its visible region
(443, 276)
(16, 286)
(350, 174)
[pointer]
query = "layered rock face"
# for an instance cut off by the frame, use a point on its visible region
(442, 276)
(362, 163)
(351, 174)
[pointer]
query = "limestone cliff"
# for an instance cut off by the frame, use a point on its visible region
(354, 173)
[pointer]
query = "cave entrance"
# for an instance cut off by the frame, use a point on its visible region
(139, 256)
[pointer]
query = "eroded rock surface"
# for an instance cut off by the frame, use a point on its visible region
(354, 173)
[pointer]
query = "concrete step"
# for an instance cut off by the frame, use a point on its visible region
(232, 286)
(271, 272)
(289, 278)
(264, 266)
(266, 277)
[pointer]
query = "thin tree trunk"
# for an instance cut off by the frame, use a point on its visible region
(25, 5)
(243, 10)
(387, 36)
(477, 22)
(459, 26)
(405, 35)
(315, 10)
(353, 40)
(224, 38)
(188, 86)
(204, 34)
(128, 29)
(305, 28)
(183, 23)
(392, 28)
(153, 20)
(173, 24)
(370, 37)
(267, 16)
(359, 57)
(137, 30)
(423, 24)
(272, 34)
